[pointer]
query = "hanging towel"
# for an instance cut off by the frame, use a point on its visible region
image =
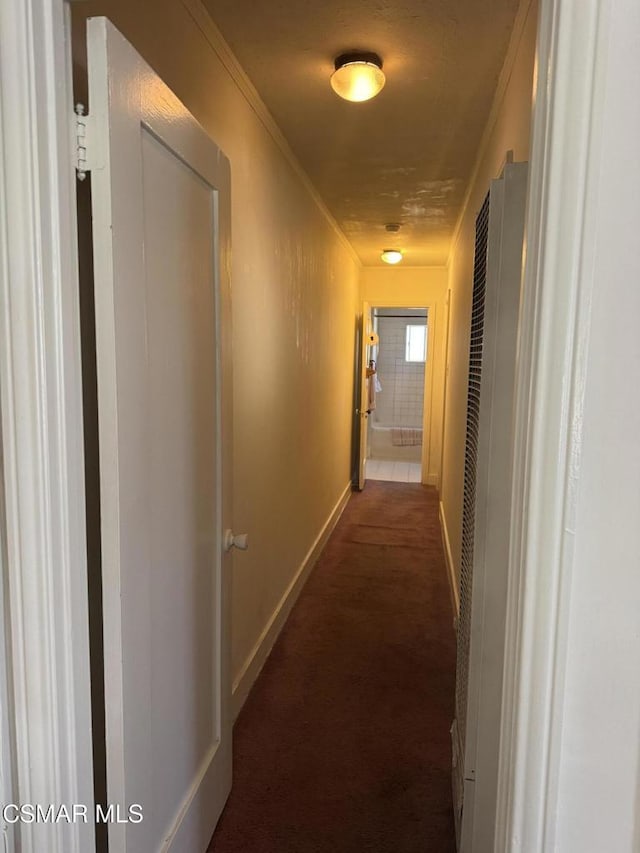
(371, 392)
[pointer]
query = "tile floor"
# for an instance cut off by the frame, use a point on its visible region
(391, 470)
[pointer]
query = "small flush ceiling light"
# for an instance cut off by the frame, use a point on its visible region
(391, 256)
(358, 76)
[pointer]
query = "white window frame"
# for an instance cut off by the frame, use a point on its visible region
(407, 344)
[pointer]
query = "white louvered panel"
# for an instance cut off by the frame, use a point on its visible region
(470, 466)
(469, 497)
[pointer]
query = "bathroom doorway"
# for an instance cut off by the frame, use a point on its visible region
(398, 395)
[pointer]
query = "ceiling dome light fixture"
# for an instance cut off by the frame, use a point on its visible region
(391, 256)
(358, 76)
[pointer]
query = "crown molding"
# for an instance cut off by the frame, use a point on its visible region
(503, 82)
(217, 42)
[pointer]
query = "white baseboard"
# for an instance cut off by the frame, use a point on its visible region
(256, 660)
(453, 584)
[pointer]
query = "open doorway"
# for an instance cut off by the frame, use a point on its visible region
(397, 377)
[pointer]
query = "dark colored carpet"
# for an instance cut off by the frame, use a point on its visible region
(343, 745)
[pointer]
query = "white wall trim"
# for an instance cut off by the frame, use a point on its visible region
(42, 428)
(451, 572)
(501, 88)
(445, 378)
(7, 746)
(253, 665)
(557, 285)
(216, 40)
(429, 459)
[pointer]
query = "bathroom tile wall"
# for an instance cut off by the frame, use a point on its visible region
(400, 403)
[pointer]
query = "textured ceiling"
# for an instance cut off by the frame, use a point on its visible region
(407, 155)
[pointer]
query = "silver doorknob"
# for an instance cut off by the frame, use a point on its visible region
(235, 540)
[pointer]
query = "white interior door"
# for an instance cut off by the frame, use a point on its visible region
(161, 250)
(364, 394)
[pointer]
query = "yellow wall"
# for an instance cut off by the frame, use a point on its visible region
(508, 129)
(418, 287)
(295, 298)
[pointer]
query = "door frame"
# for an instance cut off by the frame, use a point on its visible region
(573, 63)
(361, 414)
(446, 324)
(429, 477)
(42, 428)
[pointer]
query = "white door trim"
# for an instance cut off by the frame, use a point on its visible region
(363, 403)
(42, 429)
(430, 476)
(558, 281)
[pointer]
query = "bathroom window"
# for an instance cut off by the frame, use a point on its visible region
(416, 344)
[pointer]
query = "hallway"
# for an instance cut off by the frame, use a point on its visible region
(343, 744)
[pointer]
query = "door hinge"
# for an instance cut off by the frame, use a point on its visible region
(82, 138)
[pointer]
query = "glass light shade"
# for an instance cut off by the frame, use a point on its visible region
(391, 256)
(357, 80)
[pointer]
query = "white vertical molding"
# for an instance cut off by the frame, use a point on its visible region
(554, 328)
(7, 832)
(42, 431)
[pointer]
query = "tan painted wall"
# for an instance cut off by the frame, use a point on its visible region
(418, 287)
(295, 296)
(509, 130)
